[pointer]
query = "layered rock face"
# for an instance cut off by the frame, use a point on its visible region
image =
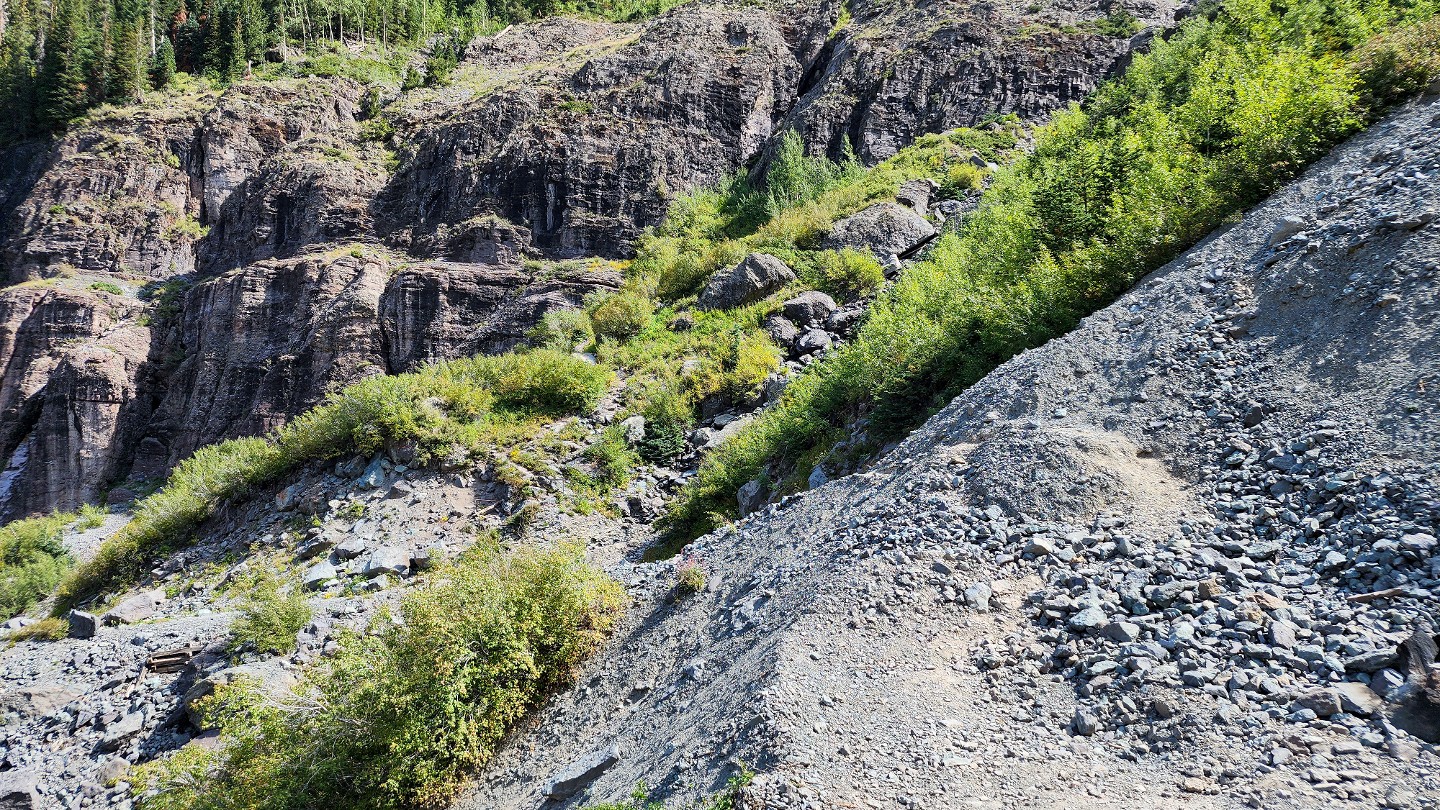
(72, 363)
(316, 245)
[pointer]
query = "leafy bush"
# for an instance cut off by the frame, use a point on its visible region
(1235, 104)
(668, 420)
(400, 714)
(562, 330)
(613, 459)
(270, 617)
(849, 274)
(106, 286)
(754, 357)
(620, 315)
(463, 404)
(32, 560)
(794, 178)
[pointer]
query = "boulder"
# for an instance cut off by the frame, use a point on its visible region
(134, 608)
(751, 496)
(633, 428)
(580, 774)
(809, 307)
(884, 229)
(755, 277)
(1357, 698)
(318, 574)
(812, 341)
(781, 329)
(388, 560)
(916, 194)
(120, 732)
(19, 790)
(83, 625)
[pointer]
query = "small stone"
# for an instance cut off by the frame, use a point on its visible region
(1124, 632)
(1085, 722)
(1091, 618)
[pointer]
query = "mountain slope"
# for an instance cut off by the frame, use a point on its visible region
(1229, 454)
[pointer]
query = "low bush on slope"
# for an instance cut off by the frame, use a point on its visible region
(1233, 105)
(445, 409)
(33, 558)
(398, 715)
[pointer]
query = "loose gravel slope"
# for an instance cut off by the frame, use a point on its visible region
(1121, 571)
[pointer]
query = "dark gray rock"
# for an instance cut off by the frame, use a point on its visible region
(754, 277)
(884, 229)
(82, 624)
(574, 779)
(808, 308)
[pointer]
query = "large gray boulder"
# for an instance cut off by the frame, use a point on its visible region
(19, 790)
(884, 229)
(809, 307)
(755, 277)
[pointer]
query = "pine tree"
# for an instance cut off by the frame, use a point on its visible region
(64, 90)
(128, 58)
(162, 68)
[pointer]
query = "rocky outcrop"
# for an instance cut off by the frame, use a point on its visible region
(72, 368)
(115, 198)
(585, 147)
(899, 71)
(442, 311)
(262, 343)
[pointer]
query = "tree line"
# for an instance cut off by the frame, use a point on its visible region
(59, 58)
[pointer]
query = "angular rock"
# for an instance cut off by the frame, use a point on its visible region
(814, 340)
(884, 229)
(574, 779)
(1357, 698)
(82, 624)
(319, 574)
(753, 278)
(811, 307)
(388, 560)
(119, 733)
(135, 608)
(750, 496)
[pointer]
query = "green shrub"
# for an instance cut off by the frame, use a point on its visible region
(668, 421)
(563, 330)
(1235, 104)
(794, 178)
(613, 458)
(106, 286)
(960, 178)
(754, 357)
(620, 315)
(32, 560)
(399, 715)
(849, 274)
(270, 616)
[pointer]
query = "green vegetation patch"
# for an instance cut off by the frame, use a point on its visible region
(444, 410)
(33, 558)
(401, 713)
